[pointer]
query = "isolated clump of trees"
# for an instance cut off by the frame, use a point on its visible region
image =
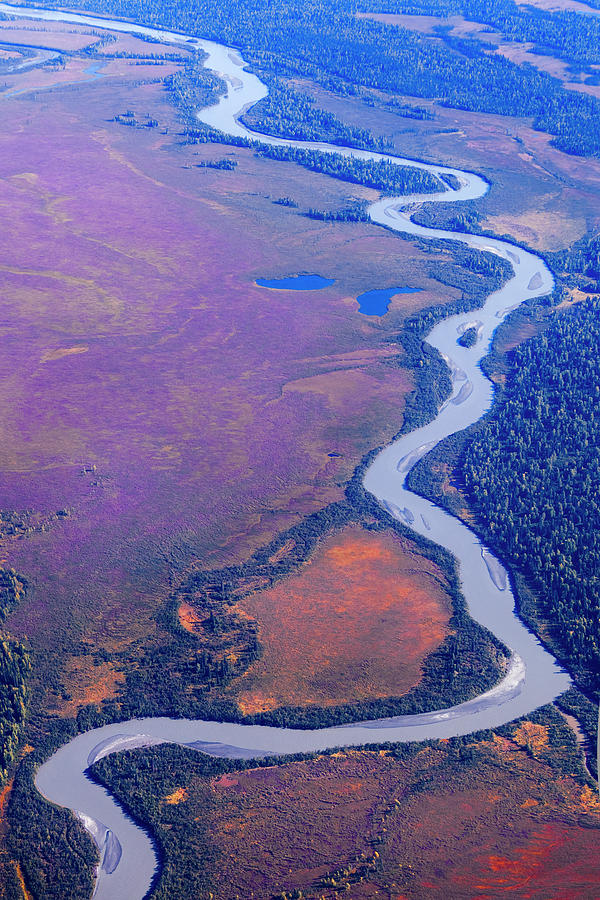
(379, 174)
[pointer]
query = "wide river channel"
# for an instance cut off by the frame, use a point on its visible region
(128, 857)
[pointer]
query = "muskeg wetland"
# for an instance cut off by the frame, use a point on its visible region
(532, 678)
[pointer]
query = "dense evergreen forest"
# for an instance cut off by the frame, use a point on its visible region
(532, 475)
(15, 665)
(383, 176)
(331, 45)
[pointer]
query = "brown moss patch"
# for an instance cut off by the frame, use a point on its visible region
(576, 296)
(355, 623)
(88, 682)
(548, 229)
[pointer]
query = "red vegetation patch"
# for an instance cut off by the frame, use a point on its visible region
(4, 797)
(355, 623)
(430, 825)
(555, 861)
(225, 781)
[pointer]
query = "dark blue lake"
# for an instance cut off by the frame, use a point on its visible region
(296, 282)
(377, 303)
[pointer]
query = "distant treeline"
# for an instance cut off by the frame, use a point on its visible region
(15, 665)
(571, 36)
(329, 44)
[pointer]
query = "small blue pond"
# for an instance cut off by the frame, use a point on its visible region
(377, 303)
(296, 282)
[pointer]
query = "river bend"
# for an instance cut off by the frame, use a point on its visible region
(533, 678)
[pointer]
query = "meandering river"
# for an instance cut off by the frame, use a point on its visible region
(532, 678)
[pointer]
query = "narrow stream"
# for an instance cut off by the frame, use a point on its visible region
(532, 679)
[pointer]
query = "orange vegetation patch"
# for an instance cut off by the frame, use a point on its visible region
(26, 894)
(355, 623)
(532, 736)
(188, 617)
(88, 682)
(180, 795)
(589, 800)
